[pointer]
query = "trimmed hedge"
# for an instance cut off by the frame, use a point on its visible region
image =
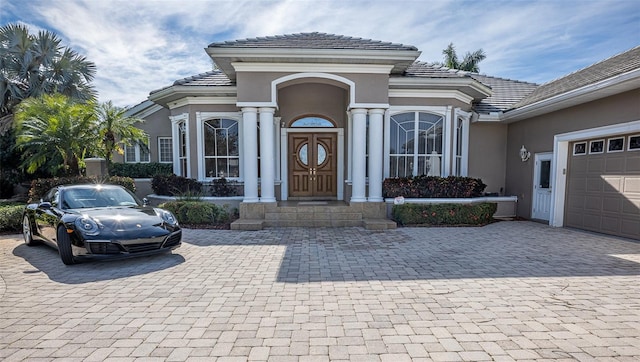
(172, 185)
(197, 212)
(140, 170)
(11, 217)
(433, 187)
(444, 214)
(41, 186)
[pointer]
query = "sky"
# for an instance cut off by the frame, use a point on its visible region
(142, 45)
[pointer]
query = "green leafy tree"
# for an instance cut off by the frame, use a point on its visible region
(32, 65)
(469, 63)
(54, 128)
(115, 130)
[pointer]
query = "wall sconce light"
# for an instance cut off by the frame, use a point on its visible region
(524, 154)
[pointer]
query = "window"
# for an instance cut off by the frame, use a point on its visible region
(415, 144)
(615, 144)
(312, 122)
(137, 153)
(579, 148)
(165, 150)
(182, 148)
(634, 142)
(221, 157)
(596, 146)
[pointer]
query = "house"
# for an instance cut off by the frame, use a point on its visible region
(316, 116)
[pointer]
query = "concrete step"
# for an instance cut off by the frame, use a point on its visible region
(247, 224)
(379, 224)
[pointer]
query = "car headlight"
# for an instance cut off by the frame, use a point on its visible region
(167, 216)
(87, 226)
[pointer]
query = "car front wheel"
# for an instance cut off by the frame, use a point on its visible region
(26, 231)
(64, 247)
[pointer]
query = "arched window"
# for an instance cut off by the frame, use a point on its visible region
(416, 144)
(312, 122)
(221, 156)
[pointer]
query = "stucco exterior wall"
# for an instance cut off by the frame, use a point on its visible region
(487, 158)
(313, 99)
(537, 133)
(256, 86)
(155, 125)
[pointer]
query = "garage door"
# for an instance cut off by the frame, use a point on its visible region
(603, 186)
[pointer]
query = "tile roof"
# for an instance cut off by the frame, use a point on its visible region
(504, 93)
(312, 41)
(428, 70)
(214, 78)
(608, 68)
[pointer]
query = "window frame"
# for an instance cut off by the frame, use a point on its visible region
(443, 113)
(202, 118)
(164, 138)
(137, 151)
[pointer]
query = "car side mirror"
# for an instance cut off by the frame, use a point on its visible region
(45, 205)
(145, 202)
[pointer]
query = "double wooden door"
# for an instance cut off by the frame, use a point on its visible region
(312, 165)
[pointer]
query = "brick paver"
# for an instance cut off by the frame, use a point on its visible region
(507, 291)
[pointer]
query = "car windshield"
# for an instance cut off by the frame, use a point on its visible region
(90, 197)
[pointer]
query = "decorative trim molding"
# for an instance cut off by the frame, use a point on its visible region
(313, 67)
(430, 93)
(202, 100)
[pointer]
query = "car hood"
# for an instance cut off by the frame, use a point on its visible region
(127, 221)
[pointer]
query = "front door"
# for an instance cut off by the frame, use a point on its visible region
(312, 165)
(542, 187)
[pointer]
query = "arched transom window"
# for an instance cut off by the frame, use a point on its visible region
(415, 144)
(221, 156)
(312, 122)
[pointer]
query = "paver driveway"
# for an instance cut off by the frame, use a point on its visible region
(507, 291)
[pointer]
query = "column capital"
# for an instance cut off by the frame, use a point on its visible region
(359, 111)
(249, 110)
(376, 111)
(271, 110)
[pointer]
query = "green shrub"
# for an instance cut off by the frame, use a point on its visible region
(172, 185)
(11, 217)
(444, 214)
(221, 187)
(41, 186)
(433, 187)
(140, 170)
(197, 212)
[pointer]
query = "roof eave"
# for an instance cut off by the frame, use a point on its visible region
(175, 92)
(223, 57)
(472, 87)
(608, 87)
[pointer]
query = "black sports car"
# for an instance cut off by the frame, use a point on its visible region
(99, 221)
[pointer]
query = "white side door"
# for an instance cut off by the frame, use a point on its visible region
(541, 208)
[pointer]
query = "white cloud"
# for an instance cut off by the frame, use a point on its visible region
(139, 46)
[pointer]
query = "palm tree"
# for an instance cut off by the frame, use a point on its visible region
(55, 127)
(33, 65)
(116, 129)
(469, 63)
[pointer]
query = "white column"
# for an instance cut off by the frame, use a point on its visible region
(250, 153)
(267, 158)
(359, 155)
(375, 154)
